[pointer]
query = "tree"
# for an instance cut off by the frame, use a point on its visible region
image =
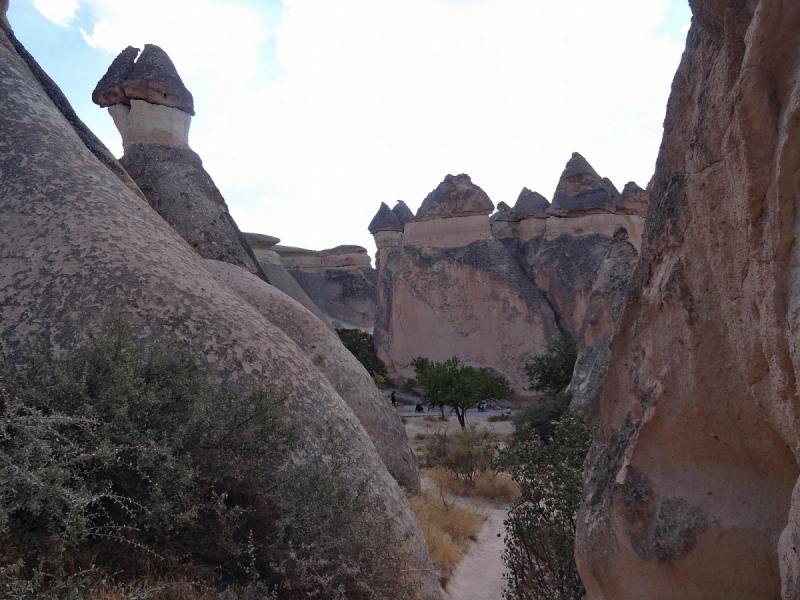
(551, 372)
(362, 345)
(461, 387)
(540, 539)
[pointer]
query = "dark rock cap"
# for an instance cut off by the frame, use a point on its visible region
(385, 220)
(108, 90)
(530, 204)
(581, 188)
(456, 196)
(503, 207)
(344, 249)
(634, 200)
(402, 212)
(152, 78)
(260, 240)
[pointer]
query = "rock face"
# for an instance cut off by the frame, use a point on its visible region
(402, 212)
(322, 346)
(277, 274)
(691, 485)
(151, 108)
(182, 192)
(596, 331)
(492, 290)
(78, 252)
(340, 281)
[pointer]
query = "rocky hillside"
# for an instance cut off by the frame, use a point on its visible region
(80, 244)
(691, 485)
(495, 289)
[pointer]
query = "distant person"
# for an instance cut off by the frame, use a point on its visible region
(394, 400)
(481, 406)
(418, 408)
(508, 411)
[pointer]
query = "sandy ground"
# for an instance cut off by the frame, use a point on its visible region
(479, 576)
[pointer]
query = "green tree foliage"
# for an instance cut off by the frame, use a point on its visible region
(461, 387)
(540, 540)
(551, 372)
(362, 345)
(122, 458)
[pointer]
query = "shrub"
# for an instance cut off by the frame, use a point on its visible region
(362, 345)
(551, 372)
(123, 457)
(464, 456)
(540, 540)
(538, 421)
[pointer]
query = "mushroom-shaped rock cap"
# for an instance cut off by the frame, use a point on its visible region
(402, 212)
(108, 90)
(530, 204)
(503, 207)
(152, 78)
(260, 240)
(581, 188)
(385, 220)
(456, 196)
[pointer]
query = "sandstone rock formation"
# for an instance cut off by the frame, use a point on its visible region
(322, 346)
(151, 108)
(492, 290)
(277, 274)
(340, 281)
(596, 331)
(691, 485)
(76, 253)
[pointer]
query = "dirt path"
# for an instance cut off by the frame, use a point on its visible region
(480, 575)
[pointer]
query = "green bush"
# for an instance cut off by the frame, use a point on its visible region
(551, 372)
(362, 345)
(465, 455)
(538, 420)
(121, 458)
(540, 528)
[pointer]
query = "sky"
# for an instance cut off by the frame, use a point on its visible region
(310, 113)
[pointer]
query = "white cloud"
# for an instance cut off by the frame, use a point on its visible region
(381, 99)
(59, 12)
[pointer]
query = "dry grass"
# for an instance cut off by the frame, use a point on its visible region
(161, 591)
(447, 527)
(497, 487)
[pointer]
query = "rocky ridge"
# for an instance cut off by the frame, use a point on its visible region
(495, 290)
(80, 252)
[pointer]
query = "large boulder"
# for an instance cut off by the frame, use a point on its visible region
(323, 347)
(79, 246)
(691, 486)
